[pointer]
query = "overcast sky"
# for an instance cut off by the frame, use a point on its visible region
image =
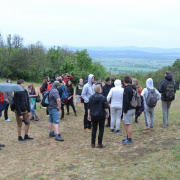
(143, 23)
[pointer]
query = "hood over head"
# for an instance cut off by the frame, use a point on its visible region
(149, 83)
(89, 78)
(117, 83)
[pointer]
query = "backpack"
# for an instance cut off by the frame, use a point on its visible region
(152, 98)
(45, 99)
(41, 89)
(169, 92)
(65, 95)
(136, 99)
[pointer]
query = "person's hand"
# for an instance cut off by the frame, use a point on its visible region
(29, 113)
(58, 108)
(109, 105)
(21, 117)
(89, 118)
(107, 115)
(70, 97)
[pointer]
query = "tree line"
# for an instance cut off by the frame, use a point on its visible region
(33, 62)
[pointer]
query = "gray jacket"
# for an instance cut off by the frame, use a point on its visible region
(88, 89)
(8, 96)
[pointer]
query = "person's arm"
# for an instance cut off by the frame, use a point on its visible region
(161, 87)
(107, 112)
(16, 103)
(109, 96)
(59, 103)
(70, 77)
(158, 94)
(76, 90)
(84, 94)
(89, 115)
(125, 101)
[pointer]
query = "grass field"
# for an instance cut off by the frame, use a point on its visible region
(152, 156)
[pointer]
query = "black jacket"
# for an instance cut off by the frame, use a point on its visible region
(106, 89)
(127, 97)
(162, 88)
(97, 105)
(70, 91)
(21, 101)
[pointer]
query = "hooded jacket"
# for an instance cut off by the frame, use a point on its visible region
(127, 97)
(88, 89)
(149, 84)
(106, 89)
(116, 95)
(97, 105)
(162, 88)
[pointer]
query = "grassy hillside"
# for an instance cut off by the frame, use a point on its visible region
(152, 156)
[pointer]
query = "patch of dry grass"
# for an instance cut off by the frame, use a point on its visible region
(152, 156)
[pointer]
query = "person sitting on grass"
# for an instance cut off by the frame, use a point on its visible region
(97, 111)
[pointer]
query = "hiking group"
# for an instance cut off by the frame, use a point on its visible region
(115, 100)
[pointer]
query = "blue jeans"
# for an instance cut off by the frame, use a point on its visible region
(54, 116)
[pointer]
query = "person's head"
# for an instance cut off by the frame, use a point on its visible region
(135, 82)
(117, 83)
(56, 84)
(149, 83)
(132, 77)
(65, 75)
(99, 80)
(81, 80)
(69, 83)
(21, 82)
(57, 77)
(97, 88)
(60, 81)
(46, 79)
(108, 81)
(167, 73)
(51, 82)
(30, 87)
(91, 79)
(103, 84)
(8, 81)
(127, 80)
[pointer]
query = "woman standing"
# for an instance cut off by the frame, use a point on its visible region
(70, 91)
(8, 98)
(33, 93)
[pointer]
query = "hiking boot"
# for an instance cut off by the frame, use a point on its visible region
(26, 137)
(58, 137)
(2, 145)
(112, 130)
(100, 146)
(20, 139)
(8, 120)
(37, 119)
(146, 131)
(67, 113)
(62, 117)
(124, 139)
(127, 142)
(119, 131)
(136, 121)
(32, 118)
(93, 145)
(52, 134)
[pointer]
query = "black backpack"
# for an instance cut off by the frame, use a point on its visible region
(152, 98)
(169, 94)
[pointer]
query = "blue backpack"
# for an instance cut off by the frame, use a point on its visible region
(64, 98)
(45, 99)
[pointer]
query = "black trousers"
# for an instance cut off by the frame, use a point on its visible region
(70, 103)
(6, 111)
(95, 123)
(87, 124)
(109, 118)
(62, 110)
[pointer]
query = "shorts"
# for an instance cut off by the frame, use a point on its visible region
(78, 98)
(25, 116)
(128, 117)
(54, 116)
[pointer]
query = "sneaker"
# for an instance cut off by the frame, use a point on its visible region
(112, 130)
(62, 117)
(67, 113)
(82, 110)
(58, 137)
(32, 118)
(100, 146)
(76, 114)
(136, 121)
(93, 145)
(119, 131)
(125, 139)
(20, 139)
(146, 131)
(87, 130)
(26, 137)
(37, 119)
(52, 134)
(8, 120)
(2, 145)
(127, 142)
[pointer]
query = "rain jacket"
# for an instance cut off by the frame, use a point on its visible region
(88, 89)
(116, 95)
(97, 105)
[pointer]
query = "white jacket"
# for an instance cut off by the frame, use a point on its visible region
(116, 95)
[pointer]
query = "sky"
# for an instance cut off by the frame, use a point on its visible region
(115, 23)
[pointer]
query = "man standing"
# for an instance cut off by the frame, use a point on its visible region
(105, 92)
(54, 108)
(128, 110)
(97, 107)
(88, 90)
(167, 89)
(22, 111)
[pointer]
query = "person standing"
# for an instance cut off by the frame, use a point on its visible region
(116, 97)
(128, 110)
(105, 91)
(167, 89)
(97, 107)
(54, 115)
(22, 111)
(79, 89)
(8, 96)
(70, 91)
(88, 90)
